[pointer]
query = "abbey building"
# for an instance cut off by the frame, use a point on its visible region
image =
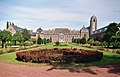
(65, 34)
(59, 34)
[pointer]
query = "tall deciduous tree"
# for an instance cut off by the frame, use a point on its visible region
(110, 32)
(26, 34)
(4, 37)
(17, 37)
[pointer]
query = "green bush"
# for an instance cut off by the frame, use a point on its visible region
(91, 42)
(57, 43)
(104, 44)
(28, 43)
(115, 44)
(39, 41)
(83, 41)
(96, 43)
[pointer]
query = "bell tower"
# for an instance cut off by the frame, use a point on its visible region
(93, 24)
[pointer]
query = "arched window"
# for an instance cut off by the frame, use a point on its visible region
(94, 20)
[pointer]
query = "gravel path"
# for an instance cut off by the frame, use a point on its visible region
(10, 70)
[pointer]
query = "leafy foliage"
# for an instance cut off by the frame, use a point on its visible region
(91, 42)
(57, 43)
(44, 41)
(17, 37)
(39, 41)
(28, 43)
(5, 36)
(112, 35)
(26, 34)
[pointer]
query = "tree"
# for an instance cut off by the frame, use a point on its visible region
(50, 39)
(84, 39)
(17, 37)
(112, 29)
(44, 41)
(39, 41)
(116, 39)
(73, 40)
(110, 33)
(4, 37)
(26, 34)
(78, 41)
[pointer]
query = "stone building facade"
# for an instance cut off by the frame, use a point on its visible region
(59, 34)
(65, 34)
(12, 28)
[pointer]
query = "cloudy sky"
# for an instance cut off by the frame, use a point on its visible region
(73, 14)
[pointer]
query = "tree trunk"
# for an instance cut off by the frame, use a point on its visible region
(15, 42)
(3, 44)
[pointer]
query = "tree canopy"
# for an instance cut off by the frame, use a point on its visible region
(26, 34)
(5, 36)
(17, 37)
(112, 34)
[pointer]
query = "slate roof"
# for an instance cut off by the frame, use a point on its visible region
(17, 28)
(33, 33)
(39, 30)
(58, 31)
(61, 30)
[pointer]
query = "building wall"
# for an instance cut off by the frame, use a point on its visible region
(59, 37)
(11, 29)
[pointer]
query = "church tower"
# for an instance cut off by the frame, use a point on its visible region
(93, 24)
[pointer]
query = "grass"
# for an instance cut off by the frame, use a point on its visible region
(108, 57)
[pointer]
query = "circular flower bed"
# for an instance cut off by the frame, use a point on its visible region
(59, 55)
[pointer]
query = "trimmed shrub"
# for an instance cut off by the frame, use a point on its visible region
(28, 43)
(57, 43)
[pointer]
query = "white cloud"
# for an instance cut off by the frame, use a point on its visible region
(63, 13)
(49, 14)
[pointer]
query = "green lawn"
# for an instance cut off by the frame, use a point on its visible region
(108, 58)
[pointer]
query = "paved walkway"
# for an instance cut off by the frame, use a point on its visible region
(10, 70)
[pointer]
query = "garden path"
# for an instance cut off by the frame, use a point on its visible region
(11, 70)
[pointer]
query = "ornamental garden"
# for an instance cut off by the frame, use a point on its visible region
(80, 52)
